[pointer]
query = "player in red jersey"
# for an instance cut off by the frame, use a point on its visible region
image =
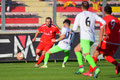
(48, 31)
(110, 43)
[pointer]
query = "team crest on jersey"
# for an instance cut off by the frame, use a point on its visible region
(50, 31)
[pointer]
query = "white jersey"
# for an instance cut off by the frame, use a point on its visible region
(86, 21)
(67, 41)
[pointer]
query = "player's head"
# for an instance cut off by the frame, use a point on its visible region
(107, 10)
(85, 5)
(66, 23)
(48, 21)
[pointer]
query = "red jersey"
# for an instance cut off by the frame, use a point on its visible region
(48, 32)
(112, 29)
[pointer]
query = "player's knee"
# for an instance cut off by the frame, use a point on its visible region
(96, 54)
(48, 52)
(76, 50)
(86, 54)
(104, 56)
(37, 51)
(43, 53)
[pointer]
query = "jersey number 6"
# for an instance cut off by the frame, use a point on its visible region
(87, 21)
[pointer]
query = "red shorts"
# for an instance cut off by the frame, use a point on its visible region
(107, 48)
(43, 46)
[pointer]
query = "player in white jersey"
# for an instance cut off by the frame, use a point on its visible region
(86, 21)
(65, 40)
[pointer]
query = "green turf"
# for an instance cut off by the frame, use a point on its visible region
(27, 71)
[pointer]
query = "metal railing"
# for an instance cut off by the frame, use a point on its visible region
(3, 14)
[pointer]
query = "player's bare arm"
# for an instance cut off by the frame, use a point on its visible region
(101, 34)
(60, 38)
(35, 36)
(105, 34)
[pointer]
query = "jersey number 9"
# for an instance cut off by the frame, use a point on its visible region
(112, 23)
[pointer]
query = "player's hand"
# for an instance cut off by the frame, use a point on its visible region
(53, 40)
(70, 32)
(106, 36)
(99, 45)
(33, 39)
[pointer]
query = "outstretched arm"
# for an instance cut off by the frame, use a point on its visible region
(35, 36)
(60, 38)
(102, 32)
(76, 23)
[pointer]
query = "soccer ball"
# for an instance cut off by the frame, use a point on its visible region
(20, 56)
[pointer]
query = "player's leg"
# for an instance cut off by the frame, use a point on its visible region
(38, 50)
(52, 50)
(98, 51)
(45, 49)
(90, 72)
(109, 58)
(110, 53)
(41, 58)
(47, 55)
(67, 53)
(86, 44)
(37, 56)
(78, 54)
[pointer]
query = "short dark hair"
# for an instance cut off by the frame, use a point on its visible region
(108, 9)
(49, 18)
(67, 21)
(85, 5)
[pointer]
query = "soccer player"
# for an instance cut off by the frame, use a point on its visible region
(86, 21)
(109, 45)
(48, 31)
(65, 41)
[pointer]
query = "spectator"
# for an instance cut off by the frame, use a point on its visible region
(9, 2)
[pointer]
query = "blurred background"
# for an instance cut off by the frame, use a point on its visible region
(30, 14)
(20, 19)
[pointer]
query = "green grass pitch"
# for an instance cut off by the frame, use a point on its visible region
(27, 71)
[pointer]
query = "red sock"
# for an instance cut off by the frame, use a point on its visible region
(95, 59)
(95, 68)
(40, 59)
(80, 66)
(111, 60)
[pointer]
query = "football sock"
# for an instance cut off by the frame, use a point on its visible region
(90, 61)
(40, 59)
(66, 58)
(47, 55)
(95, 59)
(81, 69)
(79, 58)
(81, 66)
(111, 60)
